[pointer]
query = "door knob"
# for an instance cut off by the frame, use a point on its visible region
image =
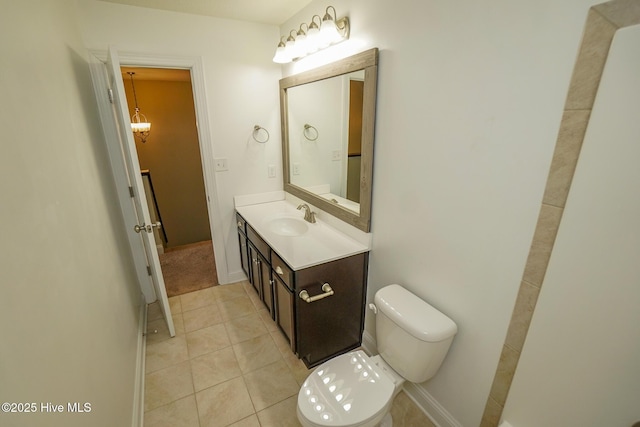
(148, 228)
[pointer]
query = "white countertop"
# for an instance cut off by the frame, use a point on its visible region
(321, 242)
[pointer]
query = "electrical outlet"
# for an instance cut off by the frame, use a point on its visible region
(296, 168)
(271, 171)
(221, 165)
(335, 155)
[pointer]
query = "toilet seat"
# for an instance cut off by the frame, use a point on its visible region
(348, 391)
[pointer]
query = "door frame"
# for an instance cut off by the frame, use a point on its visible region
(195, 67)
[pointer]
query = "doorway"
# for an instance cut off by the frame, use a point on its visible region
(172, 165)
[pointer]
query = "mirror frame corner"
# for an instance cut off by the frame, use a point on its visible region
(367, 61)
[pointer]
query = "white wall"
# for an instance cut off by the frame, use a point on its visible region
(579, 365)
(241, 89)
(470, 97)
(69, 305)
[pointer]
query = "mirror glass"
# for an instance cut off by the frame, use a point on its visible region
(325, 138)
(328, 117)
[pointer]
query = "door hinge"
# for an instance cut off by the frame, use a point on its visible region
(149, 270)
(110, 92)
(131, 192)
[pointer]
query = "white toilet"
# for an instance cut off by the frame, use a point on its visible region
(355, 390)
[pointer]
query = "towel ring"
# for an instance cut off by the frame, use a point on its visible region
(256, 130)
(306, 130)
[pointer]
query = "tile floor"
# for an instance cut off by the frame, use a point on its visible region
(228, 365)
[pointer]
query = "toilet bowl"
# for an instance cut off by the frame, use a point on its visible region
(349, 390)
(356, 390)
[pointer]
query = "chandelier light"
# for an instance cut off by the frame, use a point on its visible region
(329, 30)
(139, 124)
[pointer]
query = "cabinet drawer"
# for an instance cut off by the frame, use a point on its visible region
(282, 270)
(257, 241)
(241, 223)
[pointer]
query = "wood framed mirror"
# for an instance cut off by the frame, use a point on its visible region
(328, 119)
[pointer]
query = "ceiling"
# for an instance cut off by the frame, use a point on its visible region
(274, 12)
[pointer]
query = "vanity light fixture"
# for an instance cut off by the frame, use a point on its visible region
(139, 124)
(328, 31)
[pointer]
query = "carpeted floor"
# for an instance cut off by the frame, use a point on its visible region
(188, 268)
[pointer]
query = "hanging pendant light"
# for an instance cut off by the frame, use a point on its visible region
(139, 124)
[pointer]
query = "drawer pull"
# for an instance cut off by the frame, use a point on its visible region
(304, 295)
(239, 224)
(279, 270)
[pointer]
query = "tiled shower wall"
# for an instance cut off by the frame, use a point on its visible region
(603, 21)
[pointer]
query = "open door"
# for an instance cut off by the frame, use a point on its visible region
(144, 226)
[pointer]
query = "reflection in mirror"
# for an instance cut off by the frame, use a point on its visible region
(325, 133)
(328, 117)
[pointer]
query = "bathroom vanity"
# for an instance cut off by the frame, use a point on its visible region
(310, 277)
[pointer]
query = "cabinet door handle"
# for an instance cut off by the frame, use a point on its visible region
(279, 270)
(239, 224)
(326, 289)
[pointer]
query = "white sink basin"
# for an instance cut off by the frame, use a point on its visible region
(288, 226)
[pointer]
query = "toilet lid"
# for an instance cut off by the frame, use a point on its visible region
(345, 391)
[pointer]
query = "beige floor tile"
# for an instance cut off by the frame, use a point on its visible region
(166, 353)
(178, 323)
(167, 385)
(182, 412)
(254, 297)
(405, 413)
(236, 307)
(227, 292)
(206, 340)
(157, 330)
(214, 368)
(153, 312)
(269, 323)
(201, 318)
(224, 403)
(282, 414)
(244, 328)
(298, 369)
(175, 304)
(251, 421)
(281, 342)
(197, 299)
(219, 355)
(256, 353)
(271, 384)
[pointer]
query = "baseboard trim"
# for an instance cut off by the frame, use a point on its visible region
(138, 393)
(430, 406)
(233, 277)
(421, 397)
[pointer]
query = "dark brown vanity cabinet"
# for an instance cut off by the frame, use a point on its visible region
(242, 243)
(316, 330)
(260, 268)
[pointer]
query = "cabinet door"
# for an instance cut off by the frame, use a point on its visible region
(284, 310)
(244, 253)
(254, 273)
(266, 284)
(332, 325)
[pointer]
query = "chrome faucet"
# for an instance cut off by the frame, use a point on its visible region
(308, 215)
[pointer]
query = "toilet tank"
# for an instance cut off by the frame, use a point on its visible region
(411, 335)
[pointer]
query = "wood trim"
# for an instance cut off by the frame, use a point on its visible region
(367, 61)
